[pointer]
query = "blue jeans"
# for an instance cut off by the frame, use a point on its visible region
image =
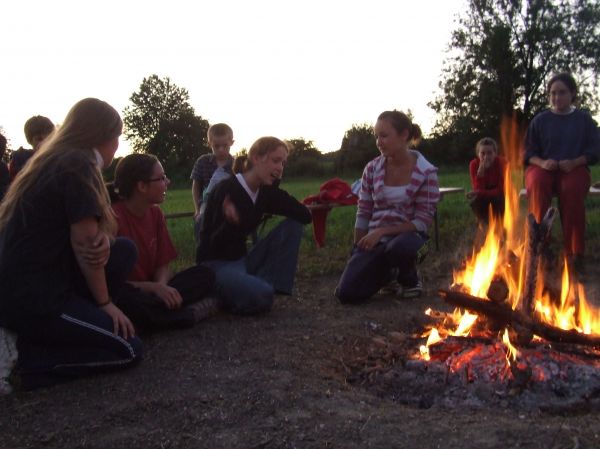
(247, 285)
(367, 271)
(81, 340)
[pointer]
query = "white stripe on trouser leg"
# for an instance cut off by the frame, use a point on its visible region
(103, 332)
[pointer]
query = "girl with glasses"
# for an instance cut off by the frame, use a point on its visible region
(156, 298)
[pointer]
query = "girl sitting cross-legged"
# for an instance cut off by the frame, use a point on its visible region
(246, 280)
(155, 298)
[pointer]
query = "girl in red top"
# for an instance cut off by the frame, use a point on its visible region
(487, 181)
(162, 299)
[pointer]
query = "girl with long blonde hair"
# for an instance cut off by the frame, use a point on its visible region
(58, 271)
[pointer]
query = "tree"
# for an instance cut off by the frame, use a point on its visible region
(162, 122)
(503, 52)
(303, 158)
(358, 148)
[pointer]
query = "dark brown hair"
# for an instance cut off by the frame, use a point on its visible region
(37, 126)
(132, 169)
(567, 79)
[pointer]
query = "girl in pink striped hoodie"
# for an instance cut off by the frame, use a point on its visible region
(397, 202)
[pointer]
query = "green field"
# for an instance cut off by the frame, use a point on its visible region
(456, 225)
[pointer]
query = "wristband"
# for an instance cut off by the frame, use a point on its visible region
(105, 303)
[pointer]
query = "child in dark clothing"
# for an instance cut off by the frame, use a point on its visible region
(211, 168)
(36, 129)
(155, 298)
(487, 180)
(247, 280)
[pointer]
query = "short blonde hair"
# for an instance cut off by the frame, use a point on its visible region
(219, 130)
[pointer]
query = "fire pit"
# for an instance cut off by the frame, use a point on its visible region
(520, 334)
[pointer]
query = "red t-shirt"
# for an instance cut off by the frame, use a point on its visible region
(492, 182)
(150, 234)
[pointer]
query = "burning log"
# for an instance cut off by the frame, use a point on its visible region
(515, 319)
(536, 236)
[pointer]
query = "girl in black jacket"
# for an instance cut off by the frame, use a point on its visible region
(246, 281)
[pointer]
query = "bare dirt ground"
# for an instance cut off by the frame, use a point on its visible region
(289, 379)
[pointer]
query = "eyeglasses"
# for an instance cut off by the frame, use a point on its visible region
(160, 178)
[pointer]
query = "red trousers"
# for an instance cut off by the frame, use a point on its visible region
(571, 189)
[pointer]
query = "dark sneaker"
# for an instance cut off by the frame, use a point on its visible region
(413, 291)
(205, 308)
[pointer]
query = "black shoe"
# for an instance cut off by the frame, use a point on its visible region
(411, 292)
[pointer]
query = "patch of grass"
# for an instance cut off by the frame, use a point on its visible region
(456, 226)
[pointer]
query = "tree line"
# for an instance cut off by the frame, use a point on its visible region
(499, 58)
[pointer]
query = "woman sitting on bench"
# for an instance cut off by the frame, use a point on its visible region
(561, 142)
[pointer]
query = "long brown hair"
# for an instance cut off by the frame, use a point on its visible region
(69, 149)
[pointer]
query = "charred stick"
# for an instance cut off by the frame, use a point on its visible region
(536, 237)
(517, 320)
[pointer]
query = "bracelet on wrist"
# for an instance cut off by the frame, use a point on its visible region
(104, 303)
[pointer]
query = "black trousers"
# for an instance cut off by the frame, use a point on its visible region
(149, 313)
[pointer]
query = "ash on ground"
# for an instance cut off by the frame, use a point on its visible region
(480, 376)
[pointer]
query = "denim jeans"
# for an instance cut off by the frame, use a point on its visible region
(81, 339)
(367, 271)
(247, 285)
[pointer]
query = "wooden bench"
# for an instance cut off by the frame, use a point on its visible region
(594, 191)
(443, 191)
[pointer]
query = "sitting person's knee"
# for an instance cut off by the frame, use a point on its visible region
(259, 300)
(348, 295)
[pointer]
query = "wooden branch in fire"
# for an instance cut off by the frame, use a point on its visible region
(503, 314)
(537, 235)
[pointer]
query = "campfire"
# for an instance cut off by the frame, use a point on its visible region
(516, 320)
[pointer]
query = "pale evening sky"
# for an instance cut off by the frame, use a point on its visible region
(306, 69)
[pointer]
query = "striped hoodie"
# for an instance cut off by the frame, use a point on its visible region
(418, 207)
